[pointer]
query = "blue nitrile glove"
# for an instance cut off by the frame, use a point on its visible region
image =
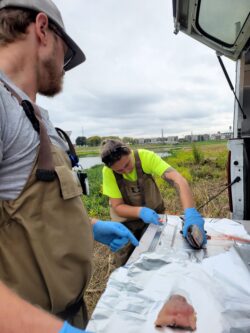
(193, 217)
(148, 215)
(113, 234)
(67, 328)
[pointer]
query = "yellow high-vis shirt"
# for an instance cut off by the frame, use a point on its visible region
(151, 164)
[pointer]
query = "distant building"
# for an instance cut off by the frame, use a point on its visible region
(172, 139)
(141, 141)
(188, 138)
(206, 137)
(227, 135)
(203, 137)
(216, 136)
(153, 140)
(194, 138)
(147, 140)
(150, 140)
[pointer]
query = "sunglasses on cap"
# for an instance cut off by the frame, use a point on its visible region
(70, 53)
(115, 155)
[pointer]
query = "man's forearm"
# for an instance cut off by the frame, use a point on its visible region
(18, 316)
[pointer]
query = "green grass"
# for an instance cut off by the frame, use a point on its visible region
(96, 203)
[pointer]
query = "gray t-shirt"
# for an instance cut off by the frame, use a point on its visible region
(18, 142)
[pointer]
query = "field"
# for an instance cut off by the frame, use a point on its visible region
(203, 165)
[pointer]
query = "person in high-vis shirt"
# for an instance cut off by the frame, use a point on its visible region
(46, 237)
(134, 197)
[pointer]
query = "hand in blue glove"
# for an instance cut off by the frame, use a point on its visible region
(67, 328)
(113, 234)
(193, 217)
(148, 215)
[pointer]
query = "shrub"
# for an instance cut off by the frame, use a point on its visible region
(197, 154)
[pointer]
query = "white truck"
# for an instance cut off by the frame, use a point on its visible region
(225, 27)
(215, 279)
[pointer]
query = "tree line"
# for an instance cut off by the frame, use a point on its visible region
(96, 140)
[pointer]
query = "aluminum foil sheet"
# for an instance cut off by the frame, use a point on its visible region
(215, 280)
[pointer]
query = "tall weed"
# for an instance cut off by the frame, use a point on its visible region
(197, 154)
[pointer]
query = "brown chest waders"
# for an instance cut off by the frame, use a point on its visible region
(143, 193)
(46, 240)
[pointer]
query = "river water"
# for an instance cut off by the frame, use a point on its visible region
(90, 161)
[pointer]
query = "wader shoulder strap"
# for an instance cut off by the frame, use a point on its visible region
(140, 174)
(45, 170)
(122, 187)
(71, 152)
(121, 183)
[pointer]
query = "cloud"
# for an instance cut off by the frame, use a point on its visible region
(139, 78)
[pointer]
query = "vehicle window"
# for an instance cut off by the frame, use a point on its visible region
(223, 19)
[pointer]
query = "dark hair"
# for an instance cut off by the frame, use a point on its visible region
(112, 151)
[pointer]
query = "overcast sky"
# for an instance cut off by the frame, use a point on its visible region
(139, 78)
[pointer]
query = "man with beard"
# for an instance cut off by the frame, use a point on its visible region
(46, 237)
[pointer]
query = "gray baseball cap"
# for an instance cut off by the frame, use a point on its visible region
(75, 55)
